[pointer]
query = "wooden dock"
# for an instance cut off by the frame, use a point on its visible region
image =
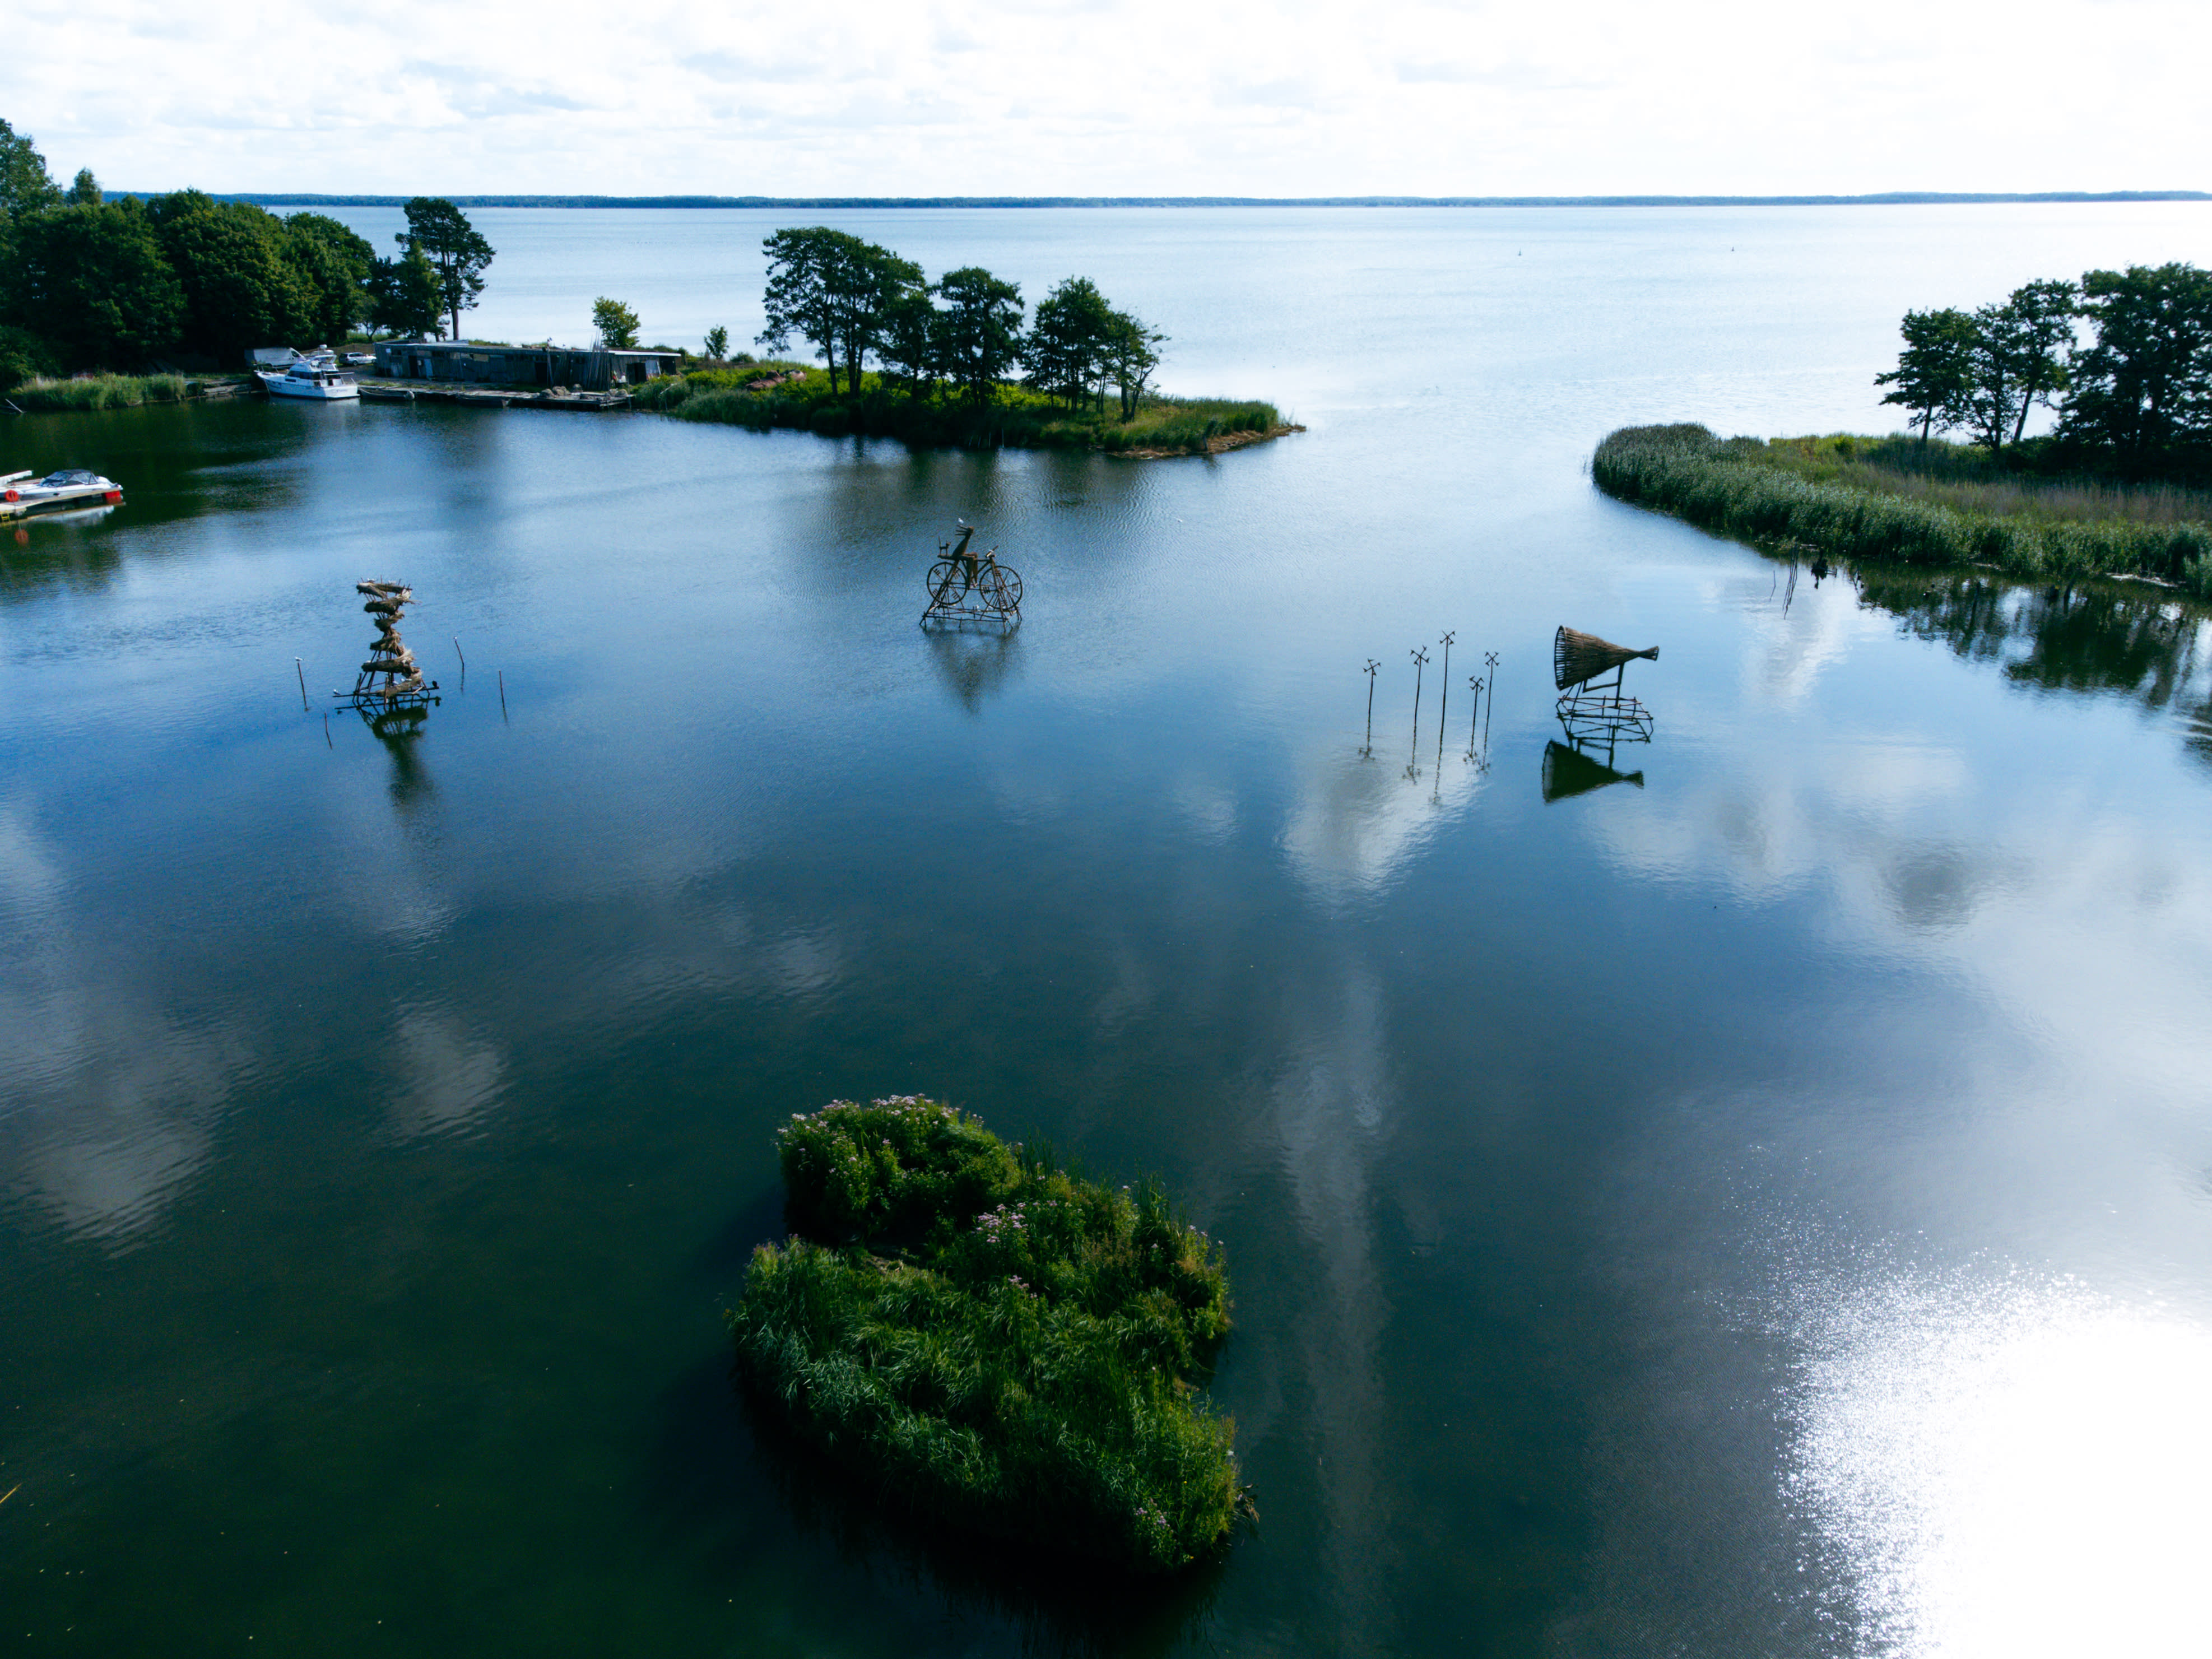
(489, 397)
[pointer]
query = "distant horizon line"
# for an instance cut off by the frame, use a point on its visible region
(1886, 198)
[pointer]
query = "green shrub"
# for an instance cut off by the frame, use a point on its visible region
(991, 1341)
(1744, 487)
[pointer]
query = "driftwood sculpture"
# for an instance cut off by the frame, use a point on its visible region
(391, 672)
(1578, 658)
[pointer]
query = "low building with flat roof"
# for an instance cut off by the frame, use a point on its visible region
(471, 362)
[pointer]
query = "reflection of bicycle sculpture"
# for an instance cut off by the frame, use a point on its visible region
(972, 585)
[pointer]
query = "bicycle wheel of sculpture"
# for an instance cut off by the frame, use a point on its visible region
(948, 582)
(1013, 588)
(990, 587)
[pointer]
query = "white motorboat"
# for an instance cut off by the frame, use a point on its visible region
(58, 492)
(316, 376)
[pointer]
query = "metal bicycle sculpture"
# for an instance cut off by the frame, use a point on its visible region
(966, 586)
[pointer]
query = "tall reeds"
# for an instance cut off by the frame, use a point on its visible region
(100, 392)
(1768, 493)
(992, 1342)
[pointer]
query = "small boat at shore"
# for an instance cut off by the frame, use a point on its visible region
(316, 377)
(58, 492)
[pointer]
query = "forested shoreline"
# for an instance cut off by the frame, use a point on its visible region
(186, 282)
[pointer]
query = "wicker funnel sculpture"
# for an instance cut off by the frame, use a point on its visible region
(391, 672)
(1578, 658)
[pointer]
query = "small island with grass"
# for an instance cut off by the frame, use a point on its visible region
(956, 361)
(985, 1341)
(2120, 487)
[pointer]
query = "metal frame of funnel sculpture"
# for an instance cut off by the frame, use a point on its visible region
(1578, 659)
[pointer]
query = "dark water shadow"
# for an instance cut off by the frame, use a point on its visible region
(400, 733)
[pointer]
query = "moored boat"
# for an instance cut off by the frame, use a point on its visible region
(58, 492)
(316, 376)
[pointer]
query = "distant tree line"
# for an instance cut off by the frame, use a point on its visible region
(86, 283)
(2135, 395)
(964, 333)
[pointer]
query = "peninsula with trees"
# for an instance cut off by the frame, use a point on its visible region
(2120, 486)
(957, 360)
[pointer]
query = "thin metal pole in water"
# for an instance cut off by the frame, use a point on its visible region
(1372, 665)
(1443, 701)
(465, 662)
(326, 731)
(1473, 685)
(1489, 661)
(502, 673)
(301, 669)
(1420, 656)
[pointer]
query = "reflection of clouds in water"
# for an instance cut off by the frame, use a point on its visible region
(727, 952)
(1209, 808)
(112, 1137)
(449, 1078)
(1357, 823)
(109, 1102)
(1328, 1101)
(2009, 1469)
(1784, 655)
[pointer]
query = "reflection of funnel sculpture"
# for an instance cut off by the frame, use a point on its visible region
(1569, 772)
(390, 676)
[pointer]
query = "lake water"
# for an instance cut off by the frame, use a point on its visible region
(1762, 1205)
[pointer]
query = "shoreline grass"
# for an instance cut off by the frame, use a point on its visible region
(1860, 498)
(989, 1341)
(44, 397)
(796, 396)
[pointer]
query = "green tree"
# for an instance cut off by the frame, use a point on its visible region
(2143, 388)
(717, 343)
(981, 330)
(84, 189)
(405, 298)
(1132, 352)
(2019, 359)
(454, 247)
(94, 284)
(23, 356)
(1066, 347)
(912, 342)
(837, 292)
(615, 323)
(334, 265)
(25, 186)
(241, 287)
(1935, 372)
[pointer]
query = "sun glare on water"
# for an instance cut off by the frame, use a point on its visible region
(2012, 1472)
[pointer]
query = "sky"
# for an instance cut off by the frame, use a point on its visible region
(1116, 97)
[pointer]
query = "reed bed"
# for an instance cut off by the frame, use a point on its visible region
(1787, 494)
(766, 395)
(1968, 479)
(100, 392)
(989, 1341)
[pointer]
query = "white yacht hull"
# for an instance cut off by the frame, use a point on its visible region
(321, 391)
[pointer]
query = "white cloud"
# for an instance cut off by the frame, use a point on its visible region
(1133, 97)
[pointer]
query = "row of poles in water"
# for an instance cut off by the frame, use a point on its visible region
(1476, 683)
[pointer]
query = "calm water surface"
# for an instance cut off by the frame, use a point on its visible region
(1761, 1205)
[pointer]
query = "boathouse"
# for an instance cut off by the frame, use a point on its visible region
(471, 362)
